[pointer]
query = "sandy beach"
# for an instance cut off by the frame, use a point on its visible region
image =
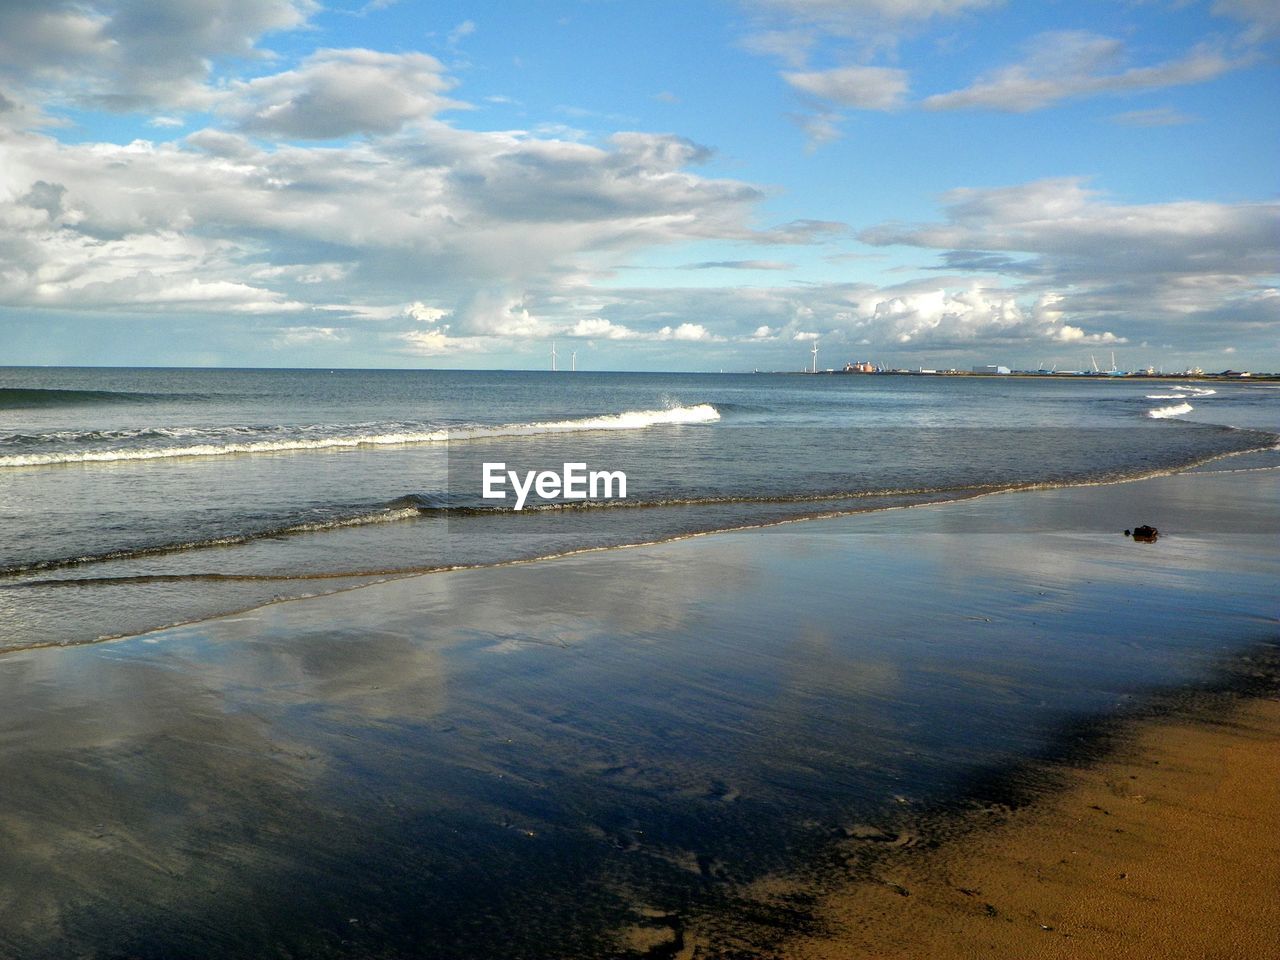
(661, 751)
(1166, 849)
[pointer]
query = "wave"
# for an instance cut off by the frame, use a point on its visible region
(17, 398)
(403, 508)
(415, 505)
(237, 440)
(869, 501)
(1174, 410)
(1184, 393)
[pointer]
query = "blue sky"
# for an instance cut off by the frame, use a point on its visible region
(656, 185)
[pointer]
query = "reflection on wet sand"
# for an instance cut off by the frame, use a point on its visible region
(578, 757)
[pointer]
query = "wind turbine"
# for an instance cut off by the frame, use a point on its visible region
(573, 361)
(553, 356)
(814, 351)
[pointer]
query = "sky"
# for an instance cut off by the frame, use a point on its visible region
(647, 184)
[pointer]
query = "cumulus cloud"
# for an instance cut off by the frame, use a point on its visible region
(1139, 264)
(451, 212)
(1075, 63)
(864, 88)
(600, 328)
(131, 54)
(337, 93)
(926, 316)
(976, 314)
(692, 332)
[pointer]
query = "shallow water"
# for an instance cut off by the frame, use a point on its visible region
(132, 499)
(529, 761)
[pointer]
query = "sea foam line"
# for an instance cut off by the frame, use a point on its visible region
(628, 420)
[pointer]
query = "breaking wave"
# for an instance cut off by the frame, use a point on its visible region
(1184, 393)
(1173, 410)
(277, 439)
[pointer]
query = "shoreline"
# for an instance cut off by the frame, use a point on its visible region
(1079, 851)
(1162, 843)
(629, 748)
(368, 578)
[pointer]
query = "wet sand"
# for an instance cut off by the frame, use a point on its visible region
(1170, 848)
(637, 752)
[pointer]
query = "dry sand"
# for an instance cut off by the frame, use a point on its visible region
(1169, 849)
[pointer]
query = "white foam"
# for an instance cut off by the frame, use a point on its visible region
(1175, 410)
(628, 420)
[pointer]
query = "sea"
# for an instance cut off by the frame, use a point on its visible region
(133, 499)
(654, 742)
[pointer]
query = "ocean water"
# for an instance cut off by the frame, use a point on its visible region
(134, 499)
(601, 755)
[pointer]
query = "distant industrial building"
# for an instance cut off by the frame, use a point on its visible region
(861, 366)
(991, 368)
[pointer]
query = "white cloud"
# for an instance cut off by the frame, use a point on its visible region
(864, 88)
(790, 46)
(601, 329)
(135, 53)
(690, 332)
(435, 343)
(308, 336)
(820, 127)
(794, 30)
(424, 313)
(463, 30)
(931, 317)
(337, 93)
(1076, 63)
(1262, 17)
(1146, 266)
(1069, 334)
(1079, 236)
(445, 212)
